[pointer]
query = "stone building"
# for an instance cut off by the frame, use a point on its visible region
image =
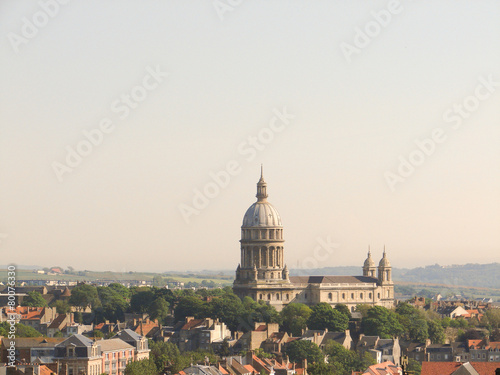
(263, 274)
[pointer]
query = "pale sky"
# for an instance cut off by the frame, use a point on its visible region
(219, 77)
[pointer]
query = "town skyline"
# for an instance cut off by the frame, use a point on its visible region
(376, 124)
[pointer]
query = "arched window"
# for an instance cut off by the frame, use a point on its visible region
(277, 297)
(260, 296)
(378, 295)
(352, 295)
(269, 297)
(330, 296)
(369, 295)
(361, 295)
(352, 309)
(288, 297)
(343, 295)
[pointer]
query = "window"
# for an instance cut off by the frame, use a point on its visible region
(330, 296)
(343, 295)
(288, 297)
(269, 297)
(352, 295)
(378, 295)
(260, 296)
(361, 295)
(369, 295)
(277, 297)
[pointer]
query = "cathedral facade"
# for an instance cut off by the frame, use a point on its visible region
(263, 275)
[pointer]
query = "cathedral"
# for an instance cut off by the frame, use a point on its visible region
(264, 276)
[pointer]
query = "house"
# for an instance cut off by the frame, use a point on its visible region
(116, 354)
(457, 368)
(452, 312)
(200, 370)
(382, 350)
(30, 349)
(454, 352)
(79, 355)
(36, 317)
(275, 343)
(59, 324)
(384, 368)
(484, 350)
(193, 334)
(140, 343)
(253, 339)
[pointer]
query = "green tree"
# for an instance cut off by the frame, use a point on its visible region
(343, 309)
(141, 300)
(163, 353)
(189, 306)
(159, 309)
(345, 361)
(324, 316)
(34, 299)
(294, 317)
(62, 307)
(436, 332)
(21, 330)
(113, 305)
(83, 296)
(121, 290)
(381, 322)
(144, 367)
(414, 367)
(299, 350)
(321, 368)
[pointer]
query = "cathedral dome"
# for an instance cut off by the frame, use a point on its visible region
(262, 214)
(384, 262)
(369, 261)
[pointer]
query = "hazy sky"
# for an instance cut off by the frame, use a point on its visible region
(180, 86)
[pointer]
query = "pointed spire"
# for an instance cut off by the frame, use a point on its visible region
(261, 187)
(369, 252)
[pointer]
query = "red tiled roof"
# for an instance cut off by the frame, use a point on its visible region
(222, 369)
(44, 370)
(250, 368)
(447, 368)
(384, 368)
(261, 328)
(28, 313)
(192, 324)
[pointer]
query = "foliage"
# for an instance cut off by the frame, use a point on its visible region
(141, 300)
(189, 306)
(343, 309)
(413, 322)
(144, 367)
(113, 305)
(163, 353)
(159, 309)
(260, 353)
(436, 332)
(381, 322)
(294, 317)
(84, 295)
(299, 350)
(345, 361)
(324, 316)
(414, 367)
(21, 330)
(34, 299)
(62, 307)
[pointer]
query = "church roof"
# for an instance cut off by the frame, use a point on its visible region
(262, 214)
(332, 279)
